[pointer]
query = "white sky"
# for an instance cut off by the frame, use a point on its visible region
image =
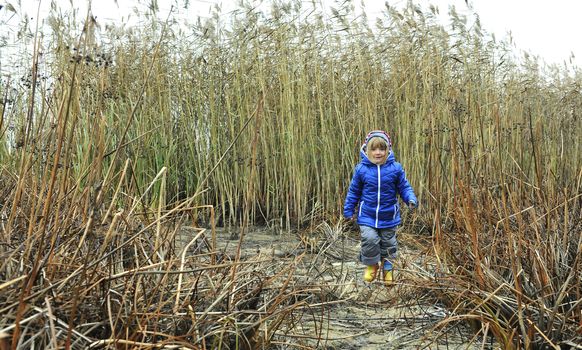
(548, 28)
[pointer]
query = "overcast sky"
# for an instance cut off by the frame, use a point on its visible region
(548, 28)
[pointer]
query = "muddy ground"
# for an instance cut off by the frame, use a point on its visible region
(356, 315)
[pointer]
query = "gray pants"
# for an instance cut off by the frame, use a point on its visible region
(377, 244)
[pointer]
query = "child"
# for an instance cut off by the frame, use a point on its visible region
(377, 180)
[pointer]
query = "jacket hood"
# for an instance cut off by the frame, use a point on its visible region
(364, 157)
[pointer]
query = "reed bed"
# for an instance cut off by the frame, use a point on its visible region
(112, 136)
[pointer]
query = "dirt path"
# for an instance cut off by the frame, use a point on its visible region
(366, 316)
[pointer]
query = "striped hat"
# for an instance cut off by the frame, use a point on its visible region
(381, 134)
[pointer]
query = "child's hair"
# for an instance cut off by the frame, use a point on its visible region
(376, 142)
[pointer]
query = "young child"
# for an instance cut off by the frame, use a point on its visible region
(376, 182)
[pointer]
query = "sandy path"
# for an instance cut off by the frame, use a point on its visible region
(367, 316)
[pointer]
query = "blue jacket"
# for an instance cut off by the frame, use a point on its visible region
(374, 188)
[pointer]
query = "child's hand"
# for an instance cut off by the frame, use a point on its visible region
(411, 205)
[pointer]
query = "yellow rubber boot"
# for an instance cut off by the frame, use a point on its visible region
(370, 273)
(387, 273)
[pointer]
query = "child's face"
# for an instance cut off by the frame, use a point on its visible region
(378, 155)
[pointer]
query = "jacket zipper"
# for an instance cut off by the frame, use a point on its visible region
(378, 204)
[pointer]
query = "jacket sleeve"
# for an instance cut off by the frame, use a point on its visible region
(354, 194)
(404, 189)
